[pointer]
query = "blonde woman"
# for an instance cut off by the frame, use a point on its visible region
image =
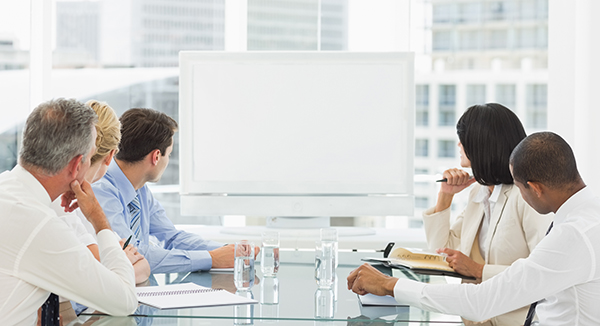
(108, 136)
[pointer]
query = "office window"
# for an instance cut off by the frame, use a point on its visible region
(443, 40)
(506, 95)
(444, 13)
(495, 10)
(475, 95)
(536, 97)
(447, 105)
(14, 78)
(421, 202)
(469, 12)
(471, 40)
(421, 147)
(496, 39)
(422, 105)
(421, 171)
(446, 148)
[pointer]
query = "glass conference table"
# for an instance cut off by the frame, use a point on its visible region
(291, 298)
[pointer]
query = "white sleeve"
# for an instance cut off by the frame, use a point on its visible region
(74, 222)
(56, 261)
(542, 274)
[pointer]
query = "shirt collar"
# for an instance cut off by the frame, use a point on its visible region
(121, 181)
(37, 189)
(572, 203)
(484, 192)
(496, 193)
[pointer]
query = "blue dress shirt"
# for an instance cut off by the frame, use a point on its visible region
(179, 251)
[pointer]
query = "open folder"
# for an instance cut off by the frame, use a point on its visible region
(187, 295)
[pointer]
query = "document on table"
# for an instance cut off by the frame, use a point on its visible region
(187, 295)
(376, 300)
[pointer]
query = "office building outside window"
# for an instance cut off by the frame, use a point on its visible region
(422, 105)
(447, 105)
(446, 148)
(475, 95)
(506, 95)
(502, 43)
(421, 147)
(422, 202)
(537, 104)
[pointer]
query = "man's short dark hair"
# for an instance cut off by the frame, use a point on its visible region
(142, 131)
(545, 157)
(488, 134)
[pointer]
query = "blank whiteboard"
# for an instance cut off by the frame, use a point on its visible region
(310, 126)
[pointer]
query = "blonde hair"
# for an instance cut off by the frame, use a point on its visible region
(108, 129)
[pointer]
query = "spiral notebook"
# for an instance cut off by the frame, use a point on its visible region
(187, 295)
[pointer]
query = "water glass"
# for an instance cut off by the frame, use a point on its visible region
(269, 254)
(243, 268)
(326, 258)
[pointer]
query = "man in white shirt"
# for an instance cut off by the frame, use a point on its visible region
(39, 253)
(561, 273)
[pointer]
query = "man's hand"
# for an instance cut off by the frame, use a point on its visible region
(366, 279)
(88, 204)
(222, 257)
(131, 252)
(461, 263)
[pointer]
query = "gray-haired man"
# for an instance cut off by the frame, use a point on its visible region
(39, 254)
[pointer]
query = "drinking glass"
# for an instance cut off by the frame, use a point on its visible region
(243, 268)
(269, 254)
(326, 258)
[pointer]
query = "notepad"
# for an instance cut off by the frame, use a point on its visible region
(187, 295)
(376, 300)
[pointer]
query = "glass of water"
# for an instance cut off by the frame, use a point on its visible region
(326, 258)
(269, 254)
(243, 268)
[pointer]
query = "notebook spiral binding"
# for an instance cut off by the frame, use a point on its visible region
(177, 292)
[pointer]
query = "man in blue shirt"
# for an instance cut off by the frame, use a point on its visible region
(146, 144)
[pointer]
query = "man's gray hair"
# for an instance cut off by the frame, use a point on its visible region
(56, 132)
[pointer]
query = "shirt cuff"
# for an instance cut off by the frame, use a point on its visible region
(409, 292)
(201, 260)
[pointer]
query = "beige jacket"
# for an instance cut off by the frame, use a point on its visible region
(515, 229)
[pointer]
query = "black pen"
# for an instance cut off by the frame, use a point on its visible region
(127, 242)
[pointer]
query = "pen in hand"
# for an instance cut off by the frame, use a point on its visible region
(127, 242)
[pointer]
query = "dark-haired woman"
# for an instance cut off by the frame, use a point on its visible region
(497, 227)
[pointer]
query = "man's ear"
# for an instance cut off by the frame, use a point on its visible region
(537, 188)
(155, 156)
(74, 166)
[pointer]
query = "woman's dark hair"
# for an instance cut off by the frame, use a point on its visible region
(488, 134)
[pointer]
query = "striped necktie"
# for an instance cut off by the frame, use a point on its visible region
(50, 311)
(134, 213)
(531, 312)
